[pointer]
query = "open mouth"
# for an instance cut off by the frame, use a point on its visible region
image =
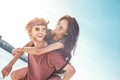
(39, 36)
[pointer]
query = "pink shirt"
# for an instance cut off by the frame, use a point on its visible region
(41, 67)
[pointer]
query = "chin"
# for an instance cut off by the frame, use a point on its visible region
(39, 40)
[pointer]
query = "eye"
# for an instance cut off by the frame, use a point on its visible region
(44, 29)
(37, 29)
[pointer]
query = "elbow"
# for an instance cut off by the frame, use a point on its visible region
(71, 70)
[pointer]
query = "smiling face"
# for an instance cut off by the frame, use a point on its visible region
(36, 29)
(61, 28)
(38, 33)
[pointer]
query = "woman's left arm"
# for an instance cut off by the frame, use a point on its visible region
(70, 71)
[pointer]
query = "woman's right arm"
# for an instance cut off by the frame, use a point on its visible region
(37, 51)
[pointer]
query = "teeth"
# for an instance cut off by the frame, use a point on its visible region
(39, 36)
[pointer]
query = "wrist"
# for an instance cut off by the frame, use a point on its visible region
(22, 50)
(10, 64)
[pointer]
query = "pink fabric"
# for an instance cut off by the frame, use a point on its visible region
(41, 67)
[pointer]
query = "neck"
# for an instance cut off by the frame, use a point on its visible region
(39, 44)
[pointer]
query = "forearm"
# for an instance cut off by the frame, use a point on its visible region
(68, 76)
(70, 71)
(35, 51)
(31, 50)
(39, 51)
(15, 58)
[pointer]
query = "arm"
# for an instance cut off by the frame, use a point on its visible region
(51, 47)
(6, 70)
(37, 51)
(70, 71)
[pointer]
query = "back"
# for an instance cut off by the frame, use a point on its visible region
(41, 67)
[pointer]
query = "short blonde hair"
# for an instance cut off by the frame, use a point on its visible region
(35, 22)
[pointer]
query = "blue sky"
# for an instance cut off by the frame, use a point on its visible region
(98, 48)
(100, 25)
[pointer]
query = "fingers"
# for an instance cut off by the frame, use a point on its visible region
(16, 51)
(4, 73)
(13, 52)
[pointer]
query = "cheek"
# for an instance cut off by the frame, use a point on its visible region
(33, 33)
(45, 33)
(63, 32)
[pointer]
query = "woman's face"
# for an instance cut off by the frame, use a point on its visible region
(61, 28)
(38, 33)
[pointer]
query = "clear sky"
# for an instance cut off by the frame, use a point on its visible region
(98, 48)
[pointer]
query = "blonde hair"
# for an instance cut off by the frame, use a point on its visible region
(35, 22)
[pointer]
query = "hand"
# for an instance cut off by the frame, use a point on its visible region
(6, 70)
(17, 51)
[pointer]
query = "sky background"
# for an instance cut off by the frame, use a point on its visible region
(97, 56)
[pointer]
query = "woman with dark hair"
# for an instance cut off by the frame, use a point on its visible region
(71, 36)
(63, 39)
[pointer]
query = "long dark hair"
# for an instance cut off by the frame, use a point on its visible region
(72, 36)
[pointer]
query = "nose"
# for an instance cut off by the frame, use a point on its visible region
(40, 31)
